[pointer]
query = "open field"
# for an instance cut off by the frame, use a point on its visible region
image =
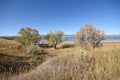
(68, 62)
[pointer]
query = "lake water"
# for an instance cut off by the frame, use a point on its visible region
(72, 39)
(108, 38)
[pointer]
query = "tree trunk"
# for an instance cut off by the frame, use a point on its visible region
(96, 44)
(55, 46)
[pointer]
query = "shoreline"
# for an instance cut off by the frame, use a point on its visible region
(110, 41)
(101, 41)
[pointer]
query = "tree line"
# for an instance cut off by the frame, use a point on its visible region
(88, 37)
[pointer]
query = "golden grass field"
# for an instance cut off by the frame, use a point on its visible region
(68, 62)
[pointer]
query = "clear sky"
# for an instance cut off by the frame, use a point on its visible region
(65, 15)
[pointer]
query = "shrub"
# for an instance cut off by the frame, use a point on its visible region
(32, 48)
(53, 38)
(88, 37)
(28, 37)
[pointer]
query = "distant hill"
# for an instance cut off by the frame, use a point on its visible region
(113, 35)
(9, 37)
(6, 42)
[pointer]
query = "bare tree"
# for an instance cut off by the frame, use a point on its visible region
(88, 37)
(54, 37)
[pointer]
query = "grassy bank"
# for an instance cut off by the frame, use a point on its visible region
(14, 61)
(75, 64)
(67, 62)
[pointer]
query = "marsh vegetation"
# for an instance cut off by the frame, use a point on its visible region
(27, 59)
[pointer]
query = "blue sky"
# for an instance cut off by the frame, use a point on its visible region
(65, 15)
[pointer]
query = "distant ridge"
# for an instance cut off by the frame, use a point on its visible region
(4, 42)
(114, 35)
(9, 37)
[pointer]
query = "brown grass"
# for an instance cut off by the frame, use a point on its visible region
(15, 61)
(74, 64)
(7, 43)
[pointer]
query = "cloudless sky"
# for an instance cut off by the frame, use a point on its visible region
(65, 15)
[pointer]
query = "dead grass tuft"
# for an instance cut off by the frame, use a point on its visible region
(100, 64)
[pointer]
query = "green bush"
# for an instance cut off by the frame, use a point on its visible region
(28, 36)
(53, 38)
(32, 48)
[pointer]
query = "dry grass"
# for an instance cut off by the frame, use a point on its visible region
(4, 43)
(15, 61)
(9, 47)
(75, 64)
